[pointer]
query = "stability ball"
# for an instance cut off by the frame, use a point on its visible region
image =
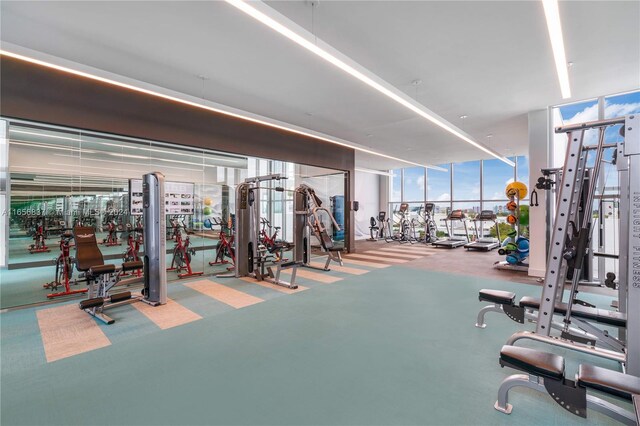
(516, 188)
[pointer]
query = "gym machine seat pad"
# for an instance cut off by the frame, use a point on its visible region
(532, 361)
(102, 269)
(497, 296)
(608, 381)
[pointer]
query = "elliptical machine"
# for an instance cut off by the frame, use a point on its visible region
(403, 235)
(430, 227)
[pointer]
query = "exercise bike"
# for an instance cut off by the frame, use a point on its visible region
(112, 235)
(224, 248)
(271, 242)
(377, 228)
(182, 253)
(134, 239)
(64, 269)
(39, 245)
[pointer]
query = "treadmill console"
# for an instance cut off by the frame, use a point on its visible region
(486, 215)
(456, 215)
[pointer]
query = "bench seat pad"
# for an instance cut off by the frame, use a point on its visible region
(497, 296)
(608, 381)
(538, 363)
(102, 269)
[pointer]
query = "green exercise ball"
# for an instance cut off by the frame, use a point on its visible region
(206, 211)
(524, 215)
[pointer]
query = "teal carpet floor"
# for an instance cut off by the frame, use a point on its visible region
(396, 346)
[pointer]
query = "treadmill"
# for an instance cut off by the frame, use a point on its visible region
(481, 242)
(453, 241)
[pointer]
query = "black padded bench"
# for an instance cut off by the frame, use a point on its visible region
(101, 277)
(546, 373)
(497, 296)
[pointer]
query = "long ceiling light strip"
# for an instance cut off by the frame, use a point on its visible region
(374, 172)
(552, 15)
(422, 111)
(201, 106)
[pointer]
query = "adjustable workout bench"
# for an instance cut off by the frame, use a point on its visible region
(581, 317)
(101, 278)
(546, 373)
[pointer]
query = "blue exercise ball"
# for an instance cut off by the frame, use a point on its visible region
(523, 245)
(513, 258)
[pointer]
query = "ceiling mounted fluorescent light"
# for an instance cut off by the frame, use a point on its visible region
(552, 14)
(381, 86)
(199, 105)
(373, 172)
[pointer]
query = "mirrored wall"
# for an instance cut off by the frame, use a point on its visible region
(59, 178)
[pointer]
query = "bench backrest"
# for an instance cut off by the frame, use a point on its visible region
(88, 253)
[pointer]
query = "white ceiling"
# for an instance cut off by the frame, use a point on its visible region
(489, 60)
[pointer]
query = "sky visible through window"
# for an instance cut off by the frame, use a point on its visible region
(614, 106)
(414, 184)
(439, 184)
(466, 180)
(497, 175)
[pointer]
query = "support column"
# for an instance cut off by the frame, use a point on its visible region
(538, 159)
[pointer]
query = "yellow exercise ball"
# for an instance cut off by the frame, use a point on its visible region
(207, 201)
(516, 188)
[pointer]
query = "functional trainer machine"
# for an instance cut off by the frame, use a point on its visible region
(453, 241)
(252, 258)
(482, 242)
(103, 278)
(570, 241)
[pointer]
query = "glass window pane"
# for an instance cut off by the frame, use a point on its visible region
(621, 105)
(568, 114)
(500, 209)
(616, 106)
(496, 176)
(395, 185)
(440, 212)
(466, 180)
(414, 184)
(470, 209)
(523, 170)
(439, 184)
